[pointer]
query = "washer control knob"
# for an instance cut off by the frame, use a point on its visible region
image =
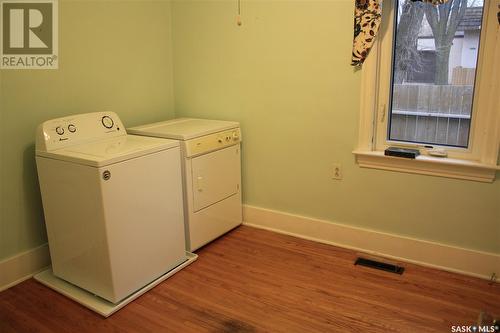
(107, 122)
(219, 140)
(235, 136)
(72, 128)
(59, 130)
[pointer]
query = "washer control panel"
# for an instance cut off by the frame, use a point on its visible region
(63, 132)
(212, 142)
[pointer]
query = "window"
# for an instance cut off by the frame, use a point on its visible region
(433, 70)
(431, 82)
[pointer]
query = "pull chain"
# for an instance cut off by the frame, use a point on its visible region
(238, 17)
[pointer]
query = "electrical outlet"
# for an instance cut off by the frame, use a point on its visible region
(337, 171)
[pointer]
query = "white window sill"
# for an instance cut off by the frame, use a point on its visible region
(428, 165)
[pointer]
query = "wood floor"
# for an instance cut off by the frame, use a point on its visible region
(253, 280)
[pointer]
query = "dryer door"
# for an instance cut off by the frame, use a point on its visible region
(216, 176)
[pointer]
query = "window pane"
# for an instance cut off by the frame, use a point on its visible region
(434, 68)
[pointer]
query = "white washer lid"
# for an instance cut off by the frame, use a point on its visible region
(183, 128)
(110, 151)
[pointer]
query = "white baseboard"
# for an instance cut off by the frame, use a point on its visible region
(450, 258)
(21, 267)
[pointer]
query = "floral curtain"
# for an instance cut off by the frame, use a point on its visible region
(367, 19)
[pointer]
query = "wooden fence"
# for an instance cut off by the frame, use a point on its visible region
(431, 113)
(463, 76)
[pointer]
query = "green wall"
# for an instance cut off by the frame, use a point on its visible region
(114, 55)
(285, 75)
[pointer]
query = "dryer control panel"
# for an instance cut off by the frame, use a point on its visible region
(212, 142)
(67, 131)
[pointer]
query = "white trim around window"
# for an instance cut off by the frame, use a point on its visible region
(479, 161)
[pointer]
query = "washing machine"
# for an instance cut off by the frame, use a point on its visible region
(211, 165)
(112, 204)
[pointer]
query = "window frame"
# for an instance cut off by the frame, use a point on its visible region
(476, 162)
